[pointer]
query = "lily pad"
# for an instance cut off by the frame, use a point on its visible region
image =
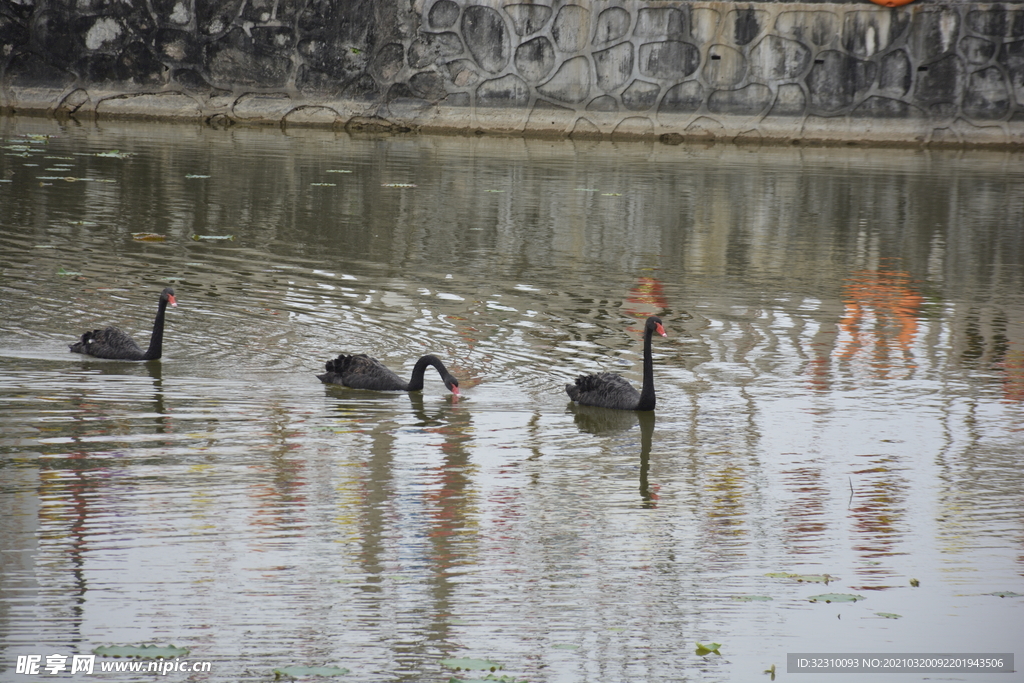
(196, 175)
(398, 185)
(1005, 594)
(889, 615)
(751, 598)
(338, 170)
(467, 664)
(67, 273)
(299, 671)
(835, 597)
(141, 651)
(148, 237)
(708, 649)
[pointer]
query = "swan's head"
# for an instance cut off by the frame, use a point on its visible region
(452, 384)
(654, 323)
(168, 296)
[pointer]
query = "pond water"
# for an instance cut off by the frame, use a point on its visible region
(840, 395)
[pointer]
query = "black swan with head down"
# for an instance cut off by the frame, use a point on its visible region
(363, 372)
(114, 343)
(609, 390)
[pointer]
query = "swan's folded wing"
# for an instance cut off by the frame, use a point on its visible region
(360, 371)
(605, 389)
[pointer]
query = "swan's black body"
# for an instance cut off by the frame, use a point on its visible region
(363, 372)
(608, 390)
(113, 343)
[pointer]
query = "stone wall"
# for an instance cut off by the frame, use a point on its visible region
(925, 73)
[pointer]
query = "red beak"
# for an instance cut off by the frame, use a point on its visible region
(172, 301)
(661, 330)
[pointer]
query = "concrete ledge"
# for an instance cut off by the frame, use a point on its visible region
(930, 73)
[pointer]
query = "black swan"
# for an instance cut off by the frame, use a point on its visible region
(113, 343)
(608, 390)
(363, 372)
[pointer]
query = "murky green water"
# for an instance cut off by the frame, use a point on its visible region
(840, 393)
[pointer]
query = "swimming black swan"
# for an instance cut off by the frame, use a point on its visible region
(113, 343)
(363, 372)
(608, 390)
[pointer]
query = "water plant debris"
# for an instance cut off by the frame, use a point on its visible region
(141, 651)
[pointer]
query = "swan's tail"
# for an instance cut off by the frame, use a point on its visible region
(82, 345)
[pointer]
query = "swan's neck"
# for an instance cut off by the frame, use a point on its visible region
(416, 382)
(647, 398)
(156, 340)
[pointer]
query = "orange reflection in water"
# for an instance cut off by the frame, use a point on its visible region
(880, 321)
(646, 298)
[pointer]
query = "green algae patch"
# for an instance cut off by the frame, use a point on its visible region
(469, 664)
(303, 671)
(835, 597)
(141, 651)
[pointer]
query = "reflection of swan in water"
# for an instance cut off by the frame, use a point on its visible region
(595, 420)
(609, 390)
(114, 343)
(646, 434)
(604, 421)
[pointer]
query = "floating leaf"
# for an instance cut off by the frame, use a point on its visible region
(889, 615)
(836, 597)
(338, 170)
(148, 237)
(323, 184)
(489, 677)
(141, 651)
(196, 175)
(1005, 594)
(61, 271)
(468, 664)
(398, 185)
(708, 649)
(751, 598)
(197, 238)
(298, 671)
(915, 583)
(611, 194)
